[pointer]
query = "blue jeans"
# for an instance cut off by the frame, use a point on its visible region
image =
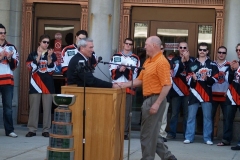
(7, 96)
(177, 102)
(207, 121)
(228, 117)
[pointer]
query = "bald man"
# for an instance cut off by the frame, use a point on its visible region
(156, 83)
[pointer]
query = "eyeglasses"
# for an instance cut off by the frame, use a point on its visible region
(182, 47)
(3, 32)
(130, 44)
(204, 50)
(222, 52)
(162, 48)
(45, 42)
(237, 50)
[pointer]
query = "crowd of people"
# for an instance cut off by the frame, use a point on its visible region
(182, 81)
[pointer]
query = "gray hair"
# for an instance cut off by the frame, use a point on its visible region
(83, 42)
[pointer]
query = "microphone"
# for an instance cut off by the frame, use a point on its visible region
(99, 59)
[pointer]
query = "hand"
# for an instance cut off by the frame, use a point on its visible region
(123, 84)
(9, 55)
(39, 51)
(1, 55)
(194, 76)
(122, 68)
(154, 108)
(204, 77)
(50, 52)
(234, 65)
(116, 85)
(185, 56)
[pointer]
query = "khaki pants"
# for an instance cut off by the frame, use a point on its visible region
(162, 132)
(151, 142)
(34, 102)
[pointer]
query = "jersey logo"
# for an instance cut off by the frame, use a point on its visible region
(117, 59)
(221, 77)
(70, 53)
(202, 72)
(43, 66)
(134, 59)
(194, 68)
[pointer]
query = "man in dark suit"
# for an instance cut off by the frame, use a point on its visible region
(79, 67)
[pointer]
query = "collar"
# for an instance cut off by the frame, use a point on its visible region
(83, 56)
(127, 55)
(4, 44)
(154, 58)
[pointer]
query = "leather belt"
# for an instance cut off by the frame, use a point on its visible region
(146, 97)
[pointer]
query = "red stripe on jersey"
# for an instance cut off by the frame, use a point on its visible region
(181, 85)
(202, 92)
(234, 93)
(40, 83)
(113, 73)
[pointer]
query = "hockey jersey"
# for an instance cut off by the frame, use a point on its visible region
(201, 90)
(233, 92)
(179, 85)
(219, 89)
(117, 76)
(8, 66)
(41, 73)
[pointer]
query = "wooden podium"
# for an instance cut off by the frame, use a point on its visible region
(104, 122)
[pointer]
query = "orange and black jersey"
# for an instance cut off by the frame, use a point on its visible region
(233, 92)
(41, 73)
(201, 89)
(180, 86)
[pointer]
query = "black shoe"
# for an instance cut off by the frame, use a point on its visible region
(172, 157)
(235, 148)
(164, 139)
(30, 134)
(45, 134)
(126, 137)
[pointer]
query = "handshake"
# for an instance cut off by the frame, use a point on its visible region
(121, 85)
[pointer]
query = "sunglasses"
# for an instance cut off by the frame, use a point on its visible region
(45, 42)
(162, 48)
(237, 50)
(3, 32)
(222, 52)
(182, 47)
(130, 44)
(204, 50)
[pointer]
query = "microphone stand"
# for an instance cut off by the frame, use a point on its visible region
(131, 100)
(83, 69)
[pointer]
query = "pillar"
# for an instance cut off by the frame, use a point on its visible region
(104, 31)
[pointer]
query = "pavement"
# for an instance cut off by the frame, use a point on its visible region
(35, 148)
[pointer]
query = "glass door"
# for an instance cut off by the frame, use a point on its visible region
(172, 33)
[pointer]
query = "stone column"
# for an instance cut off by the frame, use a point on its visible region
(232, 29)
(102, 21)
(231, 39)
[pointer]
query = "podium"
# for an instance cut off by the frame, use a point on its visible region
(104, 122)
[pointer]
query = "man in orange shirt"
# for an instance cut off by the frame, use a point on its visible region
(156, 83)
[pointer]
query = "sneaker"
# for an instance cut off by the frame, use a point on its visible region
(169, 136)
(45, 134)
(237, 147)
(186, 141)
(209, 142)
(172, 157)
(13, 135)
(126, 137)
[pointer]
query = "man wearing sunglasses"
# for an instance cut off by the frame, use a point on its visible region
(121, 73)
(180, 90)
(71, 50)
(9, 61)
(219, 91)
(201, 75)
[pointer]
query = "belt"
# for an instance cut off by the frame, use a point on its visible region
(146, 97)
